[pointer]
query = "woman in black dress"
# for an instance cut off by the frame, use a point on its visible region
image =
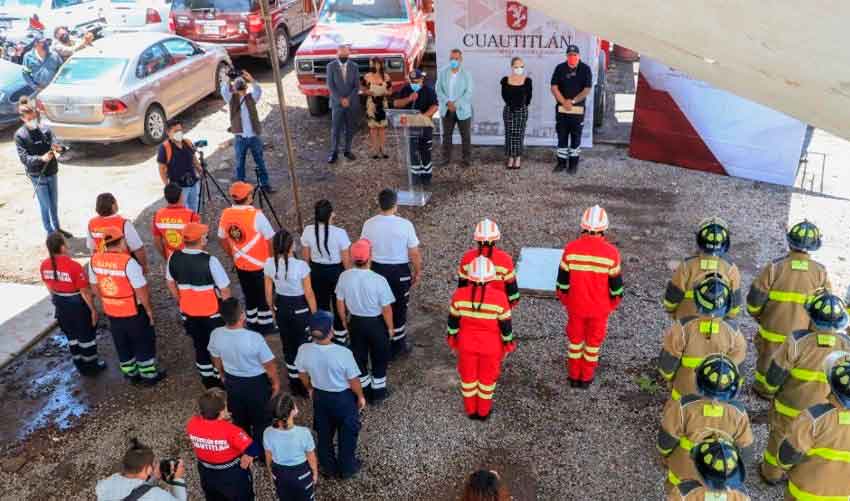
(516, 92)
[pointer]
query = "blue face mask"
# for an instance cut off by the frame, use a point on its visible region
(454, 64)
(416, 87)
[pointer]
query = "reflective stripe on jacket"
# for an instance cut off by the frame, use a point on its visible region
(589, 276)
(116, 292)
(679, 296)
(482, 323)
(504, 269)
(170, 221)
(250, 248)
(194, 280)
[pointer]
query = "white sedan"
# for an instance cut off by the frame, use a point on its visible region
(132, 16)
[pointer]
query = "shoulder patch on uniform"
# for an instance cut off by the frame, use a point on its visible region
(685, 487)
(738, 405)
(689, 399)
(798, 335)
(819, 410)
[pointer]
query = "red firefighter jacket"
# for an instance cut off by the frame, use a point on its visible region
(590, 281)
(480, 323)
(504, 269)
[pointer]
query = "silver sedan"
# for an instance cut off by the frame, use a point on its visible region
(126, 87)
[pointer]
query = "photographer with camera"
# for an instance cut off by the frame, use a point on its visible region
(41, 64)
(242, 94)
(140, 475)
(65, 45)
(38, 151)
(225, 452)
(178, 163)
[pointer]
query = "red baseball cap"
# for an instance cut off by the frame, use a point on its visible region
(361, 250)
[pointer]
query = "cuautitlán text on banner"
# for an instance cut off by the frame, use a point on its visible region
(687, 122)
(490, 33)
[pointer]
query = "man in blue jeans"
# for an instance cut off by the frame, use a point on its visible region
(242, 94)
(38, 151)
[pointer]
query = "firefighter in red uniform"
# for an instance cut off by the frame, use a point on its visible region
(590, 286)
(480, 332)
(486, 234)
(246, 235)
(107, 217)
(169, 222)
(224, 451)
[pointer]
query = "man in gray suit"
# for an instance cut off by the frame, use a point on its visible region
(344, 85)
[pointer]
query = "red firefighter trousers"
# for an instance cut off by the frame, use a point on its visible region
(478, 374)
(585, 335)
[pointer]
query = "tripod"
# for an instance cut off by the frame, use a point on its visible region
(262, 198)
(206, 177)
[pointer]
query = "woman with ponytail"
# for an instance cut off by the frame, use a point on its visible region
(290, 294)
(72, 297)
(325, 247)
(290, 452)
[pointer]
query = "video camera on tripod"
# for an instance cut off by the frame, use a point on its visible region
(206, 178)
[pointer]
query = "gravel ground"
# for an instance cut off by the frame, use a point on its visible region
(550, 442)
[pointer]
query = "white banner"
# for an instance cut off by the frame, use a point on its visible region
(490, 33)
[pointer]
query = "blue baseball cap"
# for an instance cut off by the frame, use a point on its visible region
(416, 75)
(572, 49)
(321, 321)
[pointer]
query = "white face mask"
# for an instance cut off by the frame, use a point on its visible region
(519, 70)
(178, 136)
(32, 124)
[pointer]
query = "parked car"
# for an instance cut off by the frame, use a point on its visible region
(19, 16)
(393, 29)
(127, 85)
(238, 26)
(12, 87)
(133, 16)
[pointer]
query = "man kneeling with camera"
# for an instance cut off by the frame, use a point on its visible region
(139, 477)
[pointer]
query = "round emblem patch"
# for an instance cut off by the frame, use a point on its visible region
(234, 231)
(174, 238)
(108, 286)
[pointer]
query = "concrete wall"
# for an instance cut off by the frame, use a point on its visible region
(792, 56)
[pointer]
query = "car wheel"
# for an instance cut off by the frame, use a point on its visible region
(283, 49)
(317, 105)
(154, 125)
(220, 76)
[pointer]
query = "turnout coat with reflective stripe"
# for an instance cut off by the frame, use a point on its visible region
(688, 342)
(481, 325)
(817, 449)
(589, 277)
(250, 248)
(116, 291)
(693, 490)
(504, 269)
(796, 374)
(679, 296)
(194, 280)
(694, 418)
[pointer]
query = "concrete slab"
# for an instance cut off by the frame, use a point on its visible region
(26, 314)
(537, 270)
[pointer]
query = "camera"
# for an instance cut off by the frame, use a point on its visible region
(167, 469)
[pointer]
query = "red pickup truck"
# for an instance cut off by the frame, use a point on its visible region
(396, 30)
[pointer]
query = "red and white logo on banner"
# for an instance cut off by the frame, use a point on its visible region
(516, 15)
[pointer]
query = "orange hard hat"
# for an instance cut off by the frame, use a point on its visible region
(193, 232)
(594, 219)
(481, 270)
(486, 231)
(240, 190)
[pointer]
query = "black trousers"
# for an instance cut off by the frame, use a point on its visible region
(258, 316)
(247, 401)
(569, 129)
(229, 484)
(399, 277)
(199, 329)
(292, 317)
(371, 347)
(74, 317)
(293, 483)
(135, 342)
(420, 155)
(335, 414)
(323, 278)
(465, 127)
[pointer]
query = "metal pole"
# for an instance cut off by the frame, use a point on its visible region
(281, 98)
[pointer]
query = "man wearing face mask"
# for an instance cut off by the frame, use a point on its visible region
(344, 88)
(454, 92)
(41, 64)
(178, 164)
(139, 478)
(65, 46)
(242, 95)
(38, 151)
(571, 82)
(418, 96)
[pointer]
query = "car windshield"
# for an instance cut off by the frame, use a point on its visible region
(219, 5)
(90, 69)
(363, 11)
(20, 3)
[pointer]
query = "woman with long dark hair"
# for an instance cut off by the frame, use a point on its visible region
(72, 297)
(485, 485)
(516, 93)
(290, 452)
(290, 292)
(325, 247)
(378, 89)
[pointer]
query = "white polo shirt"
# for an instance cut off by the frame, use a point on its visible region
(287, 281)
(391, 238)
(364, 292)
(330, 366)
(242, 352)
(338, 241)
(131, 236)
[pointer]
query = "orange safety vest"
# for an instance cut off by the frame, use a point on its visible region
(194, 280)
(98, 224)
(250, 248)
(116, 292)
(170, 222)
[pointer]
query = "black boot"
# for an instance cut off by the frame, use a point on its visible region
(561, 166)
(573, 168)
